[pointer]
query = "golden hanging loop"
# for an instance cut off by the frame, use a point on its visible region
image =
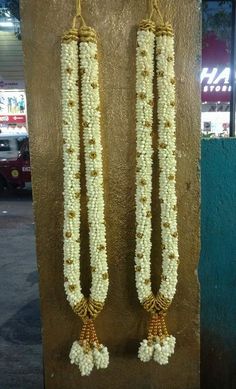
(155, 8)
(78, 7)
(72, 34)
(78, 15)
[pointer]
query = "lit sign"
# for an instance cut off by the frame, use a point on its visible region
(215, 80)
(13, 119)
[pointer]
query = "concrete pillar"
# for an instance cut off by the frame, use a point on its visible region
(122, 324)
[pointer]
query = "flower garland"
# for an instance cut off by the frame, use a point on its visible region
(86, 352)
(159, 345)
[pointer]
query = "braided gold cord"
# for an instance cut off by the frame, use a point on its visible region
(164, 29)
(149, 304)
(162, 303)
(94, 338)
(94, 307)
(88, 308)
(147, 25)
(157, 327)
(156, 304)
(83, 333)
(151, 328)
(163, 324)
(71, 35)
(81, 308)
(88, 336)
(87, 34)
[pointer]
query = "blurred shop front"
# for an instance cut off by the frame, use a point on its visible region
(13, 117)
(217, 62)
(215, 87)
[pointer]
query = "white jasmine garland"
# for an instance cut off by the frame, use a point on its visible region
(87, 352)
(144, 123)
(167, 159)
(94, 172)
(71, 149)
(159, 345)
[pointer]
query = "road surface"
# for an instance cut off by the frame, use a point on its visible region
(20, 334)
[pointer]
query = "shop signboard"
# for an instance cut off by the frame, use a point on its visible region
(215, 84)
(12, 102)
(13, 119)
(12, 84)
(215, 75)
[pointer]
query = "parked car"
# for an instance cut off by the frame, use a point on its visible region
(15, 169)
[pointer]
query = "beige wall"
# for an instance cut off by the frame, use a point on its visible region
(122, 324)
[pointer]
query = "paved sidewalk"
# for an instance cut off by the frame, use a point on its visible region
(20, 338)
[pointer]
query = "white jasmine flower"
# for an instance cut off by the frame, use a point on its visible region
(145, 351)
(101, 357)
